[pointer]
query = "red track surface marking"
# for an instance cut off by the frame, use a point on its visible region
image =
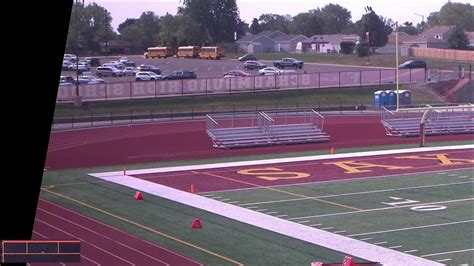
(228, 178)
(188, 140)
(101, 243)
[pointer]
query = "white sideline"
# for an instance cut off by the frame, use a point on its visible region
(280, 160)
(302, 232)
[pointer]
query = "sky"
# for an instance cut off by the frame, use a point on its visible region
(397, 10)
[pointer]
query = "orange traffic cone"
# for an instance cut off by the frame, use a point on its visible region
(348, 261)
(332, 150)
(196, 223)
(138, 195)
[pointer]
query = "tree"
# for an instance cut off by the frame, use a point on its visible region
(89, 26)
(168, 34)
(127, 22)
(255, 27)
(408, 28)
(457, 39)
(135, 36)
(433, 19)
(99, 29)
(275, 22)
(220, 18)
(149, 24)
(336, 19)
(347, 47)
(308, 24)
(362, 49)
(377, 27)
(457, 14)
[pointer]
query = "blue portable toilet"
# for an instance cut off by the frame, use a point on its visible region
(391, 98)
(380, 98)
(404, 97)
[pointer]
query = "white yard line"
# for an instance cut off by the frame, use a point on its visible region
(411, 228)
(448, 252)
(411, 251)
(444, 260)
(315, 224)
(395, 247)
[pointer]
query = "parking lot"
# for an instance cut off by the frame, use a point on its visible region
(209, 68)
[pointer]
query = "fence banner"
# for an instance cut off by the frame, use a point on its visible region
(166, 88)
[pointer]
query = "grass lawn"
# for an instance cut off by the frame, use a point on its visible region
(244, 101)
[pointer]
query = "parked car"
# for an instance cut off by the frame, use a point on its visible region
(90, 80)
(129, 64)
(79, 67)
(413, 64)
(236, 73)
(247, 57)
(117, 64)
(123, 59)
(151, 68)
(93, 61)
(147, 76)
(105, 71)
(67, 80)
(70, 57)
(66, 64)
(181, 75)
(288, 62)
(269, 71)
(130, 71)
(250, 65)
(87, 74)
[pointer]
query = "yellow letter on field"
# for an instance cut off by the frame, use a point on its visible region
(272, 173)
(442, 158)
(353, 167)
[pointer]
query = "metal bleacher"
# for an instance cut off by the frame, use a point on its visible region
(442, 121)
(250, 129)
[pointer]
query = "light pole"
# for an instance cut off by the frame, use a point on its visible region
(368, 10)
(77, 97)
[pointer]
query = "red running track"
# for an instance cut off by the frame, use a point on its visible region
(188, 141)
(100, 243)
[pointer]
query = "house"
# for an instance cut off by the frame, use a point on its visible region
(287, 43)
(328, 43)
(436, 32)
(262, 42)
(423, 42)
(391, 45)
(270, 42)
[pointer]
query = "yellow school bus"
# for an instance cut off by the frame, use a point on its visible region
(211, 52)
(188, 51)
(160, 52)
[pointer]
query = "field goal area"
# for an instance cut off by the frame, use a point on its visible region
(248, 129)
(440, 120)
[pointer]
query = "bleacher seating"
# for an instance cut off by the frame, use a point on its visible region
(266, 134)
(438, 124)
